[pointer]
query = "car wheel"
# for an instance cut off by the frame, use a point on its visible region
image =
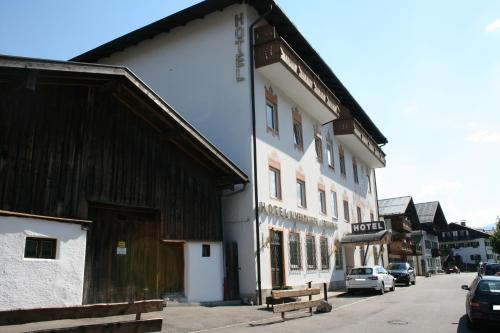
(349, 291)
(393, 286)
(382, 289)
(414, 281)
(408, 283)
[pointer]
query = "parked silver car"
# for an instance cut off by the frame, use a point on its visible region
(370, 278)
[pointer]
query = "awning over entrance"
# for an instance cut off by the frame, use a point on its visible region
(381, 237)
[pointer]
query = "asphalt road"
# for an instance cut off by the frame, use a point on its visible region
(435, 304)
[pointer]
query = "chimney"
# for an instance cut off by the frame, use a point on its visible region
(462, 223)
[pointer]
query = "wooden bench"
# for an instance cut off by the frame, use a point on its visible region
(309, 291)
(24, 316)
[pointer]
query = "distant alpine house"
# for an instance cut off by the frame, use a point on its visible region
(402, 219)
(246, 77)
(466, 247)
(433, 222)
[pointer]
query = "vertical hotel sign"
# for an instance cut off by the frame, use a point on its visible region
(239, 34)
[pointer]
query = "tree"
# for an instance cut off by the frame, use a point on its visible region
(495, 238)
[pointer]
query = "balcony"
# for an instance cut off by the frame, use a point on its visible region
(352, 135)
(400, 248)
(401, 225)
(279, 63)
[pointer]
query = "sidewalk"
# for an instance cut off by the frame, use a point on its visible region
(186, 317)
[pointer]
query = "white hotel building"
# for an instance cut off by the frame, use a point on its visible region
(288, 122)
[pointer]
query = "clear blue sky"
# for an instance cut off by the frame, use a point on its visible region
(427, 72)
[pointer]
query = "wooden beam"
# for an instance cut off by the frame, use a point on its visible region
(136, 326)
(294, 293)
(23, 316)
(296, 306)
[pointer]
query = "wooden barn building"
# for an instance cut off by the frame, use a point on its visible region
(87, 142)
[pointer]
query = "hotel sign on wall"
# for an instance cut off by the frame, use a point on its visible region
(368, 227)
(295, 216)
(239, 34)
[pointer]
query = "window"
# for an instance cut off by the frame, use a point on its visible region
(329, 154)
(346, 211)
(322, 201)
(311, 252)
(339, 258)
(325, 259)
(42, 248)
(272, 117)
(371, 217)
(205, 250)
(342, 161)
(294, 247)
(335, 211)
(319, 147)
(271, 111)
(427, 244)
(274, 183)
(301, 193)
(355, 170)
(375, 255)
(358, 211)
(298, 141)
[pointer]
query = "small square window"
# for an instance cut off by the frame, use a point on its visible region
(205, 250)
(40, 248)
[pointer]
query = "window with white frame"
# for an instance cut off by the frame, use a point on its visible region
(322, 201)
(346, 211)
(329, 154)
(335, 211)
(274, 183)
(301, 193)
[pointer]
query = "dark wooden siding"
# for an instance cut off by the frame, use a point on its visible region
(63, 147)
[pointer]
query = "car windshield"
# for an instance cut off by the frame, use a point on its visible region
(396, 266)
(492, 269)
(489, 287)
(362, 271)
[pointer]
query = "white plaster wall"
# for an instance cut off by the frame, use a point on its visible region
(30, 283)
(466, 252)
(204, 276)
(280, 148)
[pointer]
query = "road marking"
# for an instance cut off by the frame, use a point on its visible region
(273, 318)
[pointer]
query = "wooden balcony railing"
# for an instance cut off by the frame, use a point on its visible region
(350, 126)
(401, 225)
(400, 247)
(270, 49)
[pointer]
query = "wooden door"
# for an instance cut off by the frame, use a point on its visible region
(232, 290)
(122, 256)
(171, 270)
(277, 258)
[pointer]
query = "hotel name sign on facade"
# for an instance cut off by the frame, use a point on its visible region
(278, 211)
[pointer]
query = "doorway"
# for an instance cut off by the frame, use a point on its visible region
(277, 276)
(121, 256)
(171, 277)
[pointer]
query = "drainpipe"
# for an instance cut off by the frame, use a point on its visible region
(254, 144)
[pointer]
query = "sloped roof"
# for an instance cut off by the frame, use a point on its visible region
(427, 211)
(393, 206)
(104, 74)
(473, 233)
(275, 17)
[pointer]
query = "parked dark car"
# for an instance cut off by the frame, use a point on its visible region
(489, 269)
(402, 272)
(453, 269)
(482, 302)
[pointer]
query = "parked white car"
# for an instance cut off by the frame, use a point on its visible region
(370, 278)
